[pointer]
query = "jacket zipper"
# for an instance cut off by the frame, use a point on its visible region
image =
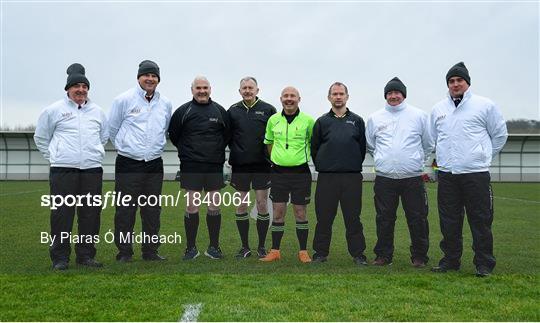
(306, 144)
(146, 124)
(80, 139)
(287, 134)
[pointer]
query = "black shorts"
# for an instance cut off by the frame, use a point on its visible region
(256, 176)
(291, 181)
(201, 176)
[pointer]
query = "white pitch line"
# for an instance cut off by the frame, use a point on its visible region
(191, 312)
(505, 198)
(517, 200)
(20, 193)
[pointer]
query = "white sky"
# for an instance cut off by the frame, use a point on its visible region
(305, 44)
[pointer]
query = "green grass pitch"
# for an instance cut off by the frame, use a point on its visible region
(248, 290)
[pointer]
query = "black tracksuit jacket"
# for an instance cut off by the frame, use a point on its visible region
(248, 127)
(338, 145)
(200, 132)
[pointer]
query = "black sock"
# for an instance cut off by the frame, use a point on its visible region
(277, 234)
(191, 224)
(242, 222)
(302, 234)
(263, 221)
(213, 222)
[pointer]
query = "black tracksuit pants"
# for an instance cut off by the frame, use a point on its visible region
(345, 189)
(73, 181)
(414, 199)
(471, 192)
(136, 178)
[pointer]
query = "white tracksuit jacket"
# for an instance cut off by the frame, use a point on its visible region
(399, 141)
(71, 137)
(137, 128)
(467, 137)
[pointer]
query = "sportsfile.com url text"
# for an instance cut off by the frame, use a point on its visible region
(110, 198)
(118, 199)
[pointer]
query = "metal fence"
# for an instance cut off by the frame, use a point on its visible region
(519, 161)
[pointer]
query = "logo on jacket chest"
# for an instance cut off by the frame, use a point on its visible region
(135, 111)
(215, 120)
(441, 117)
(351, 122)
(67, 115)
(383, 127)
(261, 113)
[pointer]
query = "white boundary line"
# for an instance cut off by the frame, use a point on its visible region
(191, 312)
(505, 198)
(518, 200)
(20, 193)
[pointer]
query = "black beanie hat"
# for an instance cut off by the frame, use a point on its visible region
(75, 73)
(459, 70)
(395, 84)
(148, 66)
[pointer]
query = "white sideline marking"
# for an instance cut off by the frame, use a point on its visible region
(191, 312)
(506, 198)
(518, 200)
(20, 193)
